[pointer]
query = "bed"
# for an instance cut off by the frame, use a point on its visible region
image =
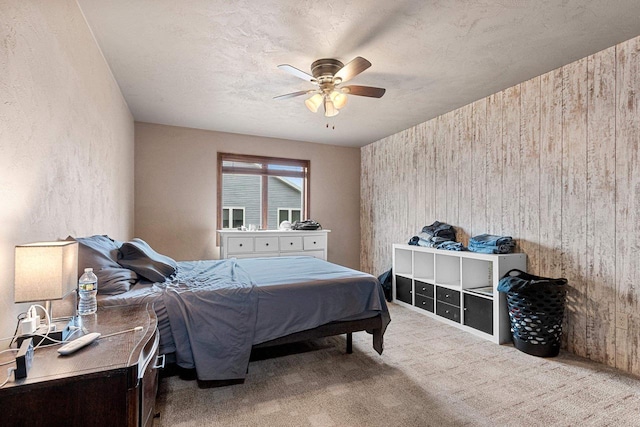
(211, 314)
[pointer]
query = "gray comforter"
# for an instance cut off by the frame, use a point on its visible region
(218, 309)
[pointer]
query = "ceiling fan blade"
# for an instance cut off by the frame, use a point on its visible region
(293, 94)
(370, 91)
(298, 73)
(352, 69)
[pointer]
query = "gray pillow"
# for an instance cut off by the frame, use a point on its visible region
(139, 257)
(101, 254)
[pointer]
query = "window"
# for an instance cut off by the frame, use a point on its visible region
(232, 217)
(261, 186)
(288, 214)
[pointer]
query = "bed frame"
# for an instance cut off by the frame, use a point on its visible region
(372, 324)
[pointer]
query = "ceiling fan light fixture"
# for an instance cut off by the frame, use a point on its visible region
(314, 102)
(339, 99)
(330, 110)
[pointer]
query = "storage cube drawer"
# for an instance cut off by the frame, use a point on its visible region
(293, 243)
(448, 311)
(266, 244)
(423, 302)
(314, 242)
(238, 245)
(478, 313)
(448, 295)
(403, 289)
(425, 289)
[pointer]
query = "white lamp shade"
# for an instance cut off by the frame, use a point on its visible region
(314, 102)
(329, 109)
(339, 99)
(45, 270)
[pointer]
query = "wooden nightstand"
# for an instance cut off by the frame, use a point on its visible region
(111, 382)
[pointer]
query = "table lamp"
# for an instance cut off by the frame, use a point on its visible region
(45, 271)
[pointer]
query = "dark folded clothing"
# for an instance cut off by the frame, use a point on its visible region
(440, 229)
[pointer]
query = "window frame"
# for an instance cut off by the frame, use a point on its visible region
(264, 172)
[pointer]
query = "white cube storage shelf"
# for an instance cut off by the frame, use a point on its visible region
(457, 288)
(270, 243)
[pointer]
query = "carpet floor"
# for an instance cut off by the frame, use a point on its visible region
(430, 374)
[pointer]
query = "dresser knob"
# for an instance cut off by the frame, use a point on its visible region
(314, 243)
(291, 243)
(267, 244)
(240, 244)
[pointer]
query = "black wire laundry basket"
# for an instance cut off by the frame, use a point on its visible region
(536, 309)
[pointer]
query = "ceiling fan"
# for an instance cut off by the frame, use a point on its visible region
(328, 75)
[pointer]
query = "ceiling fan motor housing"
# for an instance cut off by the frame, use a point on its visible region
(326, 67)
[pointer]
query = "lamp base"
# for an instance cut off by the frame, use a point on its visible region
(62, 332)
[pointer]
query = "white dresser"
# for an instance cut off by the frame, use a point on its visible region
(268, 243)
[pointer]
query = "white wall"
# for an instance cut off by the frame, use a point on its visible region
(66, 136)
(176, 184)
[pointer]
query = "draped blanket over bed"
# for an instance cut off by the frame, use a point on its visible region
(212, 309)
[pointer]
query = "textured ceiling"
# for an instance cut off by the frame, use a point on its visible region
(212, 64)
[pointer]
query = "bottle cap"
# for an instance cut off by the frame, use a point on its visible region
(88, 270)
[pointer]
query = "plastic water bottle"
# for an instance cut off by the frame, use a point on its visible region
(87, 290)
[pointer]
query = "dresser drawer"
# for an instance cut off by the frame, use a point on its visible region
(314, 254)
(447, 295)
(448, 311)
(266, 244)
(291, 243)
(239, 245)
(314, 243)
(425, 289)
(424, 303)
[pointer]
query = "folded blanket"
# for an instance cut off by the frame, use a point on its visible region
(450, 245)
(491, 244)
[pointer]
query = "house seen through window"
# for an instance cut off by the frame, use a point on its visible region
(288, 214)
(261, 191)
(232, 217)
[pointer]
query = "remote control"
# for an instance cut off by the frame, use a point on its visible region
(78, 343)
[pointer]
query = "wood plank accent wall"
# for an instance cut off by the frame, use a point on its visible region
(553, 162)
